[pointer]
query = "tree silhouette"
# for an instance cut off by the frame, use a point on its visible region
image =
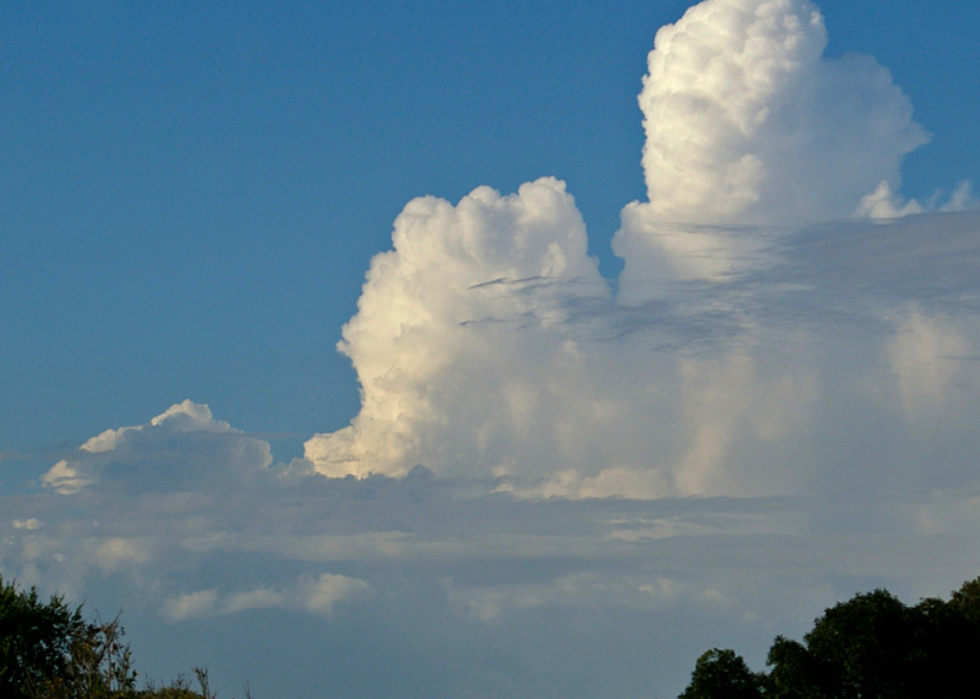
(721, 674)
(869, 647)
(49, 651)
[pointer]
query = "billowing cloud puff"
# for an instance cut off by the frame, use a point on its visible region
(487, 345)
(748, 125)
(476, 352)
(730, 387)
(815, 386)
(182, 448)
(442, 372)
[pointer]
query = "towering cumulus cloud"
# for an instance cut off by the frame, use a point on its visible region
(486, 343)
(443, 374)
(747, 124)
(774, 407)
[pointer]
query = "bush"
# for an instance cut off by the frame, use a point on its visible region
(36, 639)
(49, 651)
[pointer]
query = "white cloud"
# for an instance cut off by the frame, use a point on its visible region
(883, 203)
(772, 414)
(433, 341)
(66, 478)
(961, 199)
(929, 358)
(29, 524)
(177, 449)
(321, 594)
(709, 388)
(182, 417)
(482, 341)
(192, 605)
(748, 124)
(259, 598)
(317, 595)
(117, 552)
(487, 346)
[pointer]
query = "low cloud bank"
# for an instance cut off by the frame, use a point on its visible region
(384, 582)
(318, 595)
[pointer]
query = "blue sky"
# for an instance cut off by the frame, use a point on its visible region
(191, 196)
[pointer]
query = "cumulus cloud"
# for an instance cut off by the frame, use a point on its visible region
(747, 124)
(318, 595)
(487, 345)
(434, 341)
(775, 410)
(883, 203)
(182, 448)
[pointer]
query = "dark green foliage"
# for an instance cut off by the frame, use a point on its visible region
(870, 647)
(49, 651)
(99, 667)
(35, 639)
(721, 674)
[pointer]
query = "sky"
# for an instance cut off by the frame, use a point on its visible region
(399, 350)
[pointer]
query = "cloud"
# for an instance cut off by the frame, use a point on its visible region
(487, 346)
(961, 199)
(30, 524)
(318, 595)
(883, 203)
(431, 577)
(435, 336)
(182, 448)
(747, 124)
(118, 552)
(927, 356)
(194, 604)
(557, 488)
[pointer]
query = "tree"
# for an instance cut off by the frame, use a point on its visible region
(794, 675)
(49, 651)
(35, 639)
(722, 674)
(869, 647)
(99, 667)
